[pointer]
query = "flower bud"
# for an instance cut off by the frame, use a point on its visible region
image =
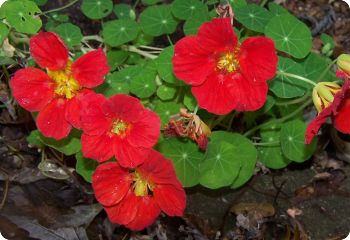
(343, 63)
(323, 94)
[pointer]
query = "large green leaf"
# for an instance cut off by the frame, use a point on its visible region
(124, 11)
(237, 3)
(23, 15)
(288, 87)
(184, 9)
(4, 31)
(166, 109)
(292, 141)
(290, 35)
(96, 9)
(165, 92)
(314, 65)
(165, 66)
(70, 33)
(118, 32)
(144, 84)
(253, 17)
(116, 58)
(158, 20)
(85, 166)
(186, 158)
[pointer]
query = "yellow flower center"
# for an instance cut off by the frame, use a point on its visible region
(120, 127)
(323, 94)
(228, 62)
(66, 85)
(141, 186)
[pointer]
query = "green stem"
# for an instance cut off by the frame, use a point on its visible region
(267, 143)
(280, 120)
(294, 101)
(60, 8)
(140, 52)
(92, 37)
(196, 109)
(17, 40)
(151, 48)
(263, 2)
(135, 5)
(169, 39)
(296, 77)
(323, 74)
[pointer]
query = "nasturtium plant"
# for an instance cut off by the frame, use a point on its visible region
(149, 98)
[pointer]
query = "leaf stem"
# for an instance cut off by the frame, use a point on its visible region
(141, 52)
(60, 8)
(169, 39)
(301, 78)
(151, 48)
(294, 101)
(92, 37)
(323, 74)
(280, 120)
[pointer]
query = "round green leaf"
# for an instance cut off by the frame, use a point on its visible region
(189, 101)
(184, 9)
(271, 156)
(70, 33)
(22, 15)
(68, 146)
(253, 17)
(116, 58)
(124, 11)
(186, 159)
(288, 87)
(193, 23)
(166, 109)
(85, 166)
(220, 166)
(314, 65)
(290, 35)
(158, 20)
(292, 141)
(118, 32)
(237, 3)
(165, 66)
(165, 92)
(97, 9)
(4, 31)
(276, 9)
(244, 152)
(143, 85)
(143, 39)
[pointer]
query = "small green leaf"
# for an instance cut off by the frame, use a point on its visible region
(244, 152)
(189, 101)
(288, 87)
(85, 166)
(124, 11)
(271, 156)
(184, 9)
(158, 20)
(290, 35)
(97, 9)
(253, 17)
(116, 58)
(326, 39)
(143, 39)
(237, 3)
(70, 33)
(165, 92)
(166, 109)
(4, 31)
(220, 165)
(276, 9)
(165, 66)
(143, 85)
(22, 15)
(34, 139)
(193, 23)
(118, 32)
(314, 65)
(292, 141)
(186, 159)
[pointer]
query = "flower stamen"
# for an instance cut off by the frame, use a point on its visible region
(141, 186)
(228, 62)
(120, 127)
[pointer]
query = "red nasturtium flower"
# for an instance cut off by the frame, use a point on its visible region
(135, 197)
(331, 101)
(56, 94)
(119, 126)
(224, 74)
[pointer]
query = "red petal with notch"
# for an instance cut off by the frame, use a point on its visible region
(214, 94)
(74, 108)
(124, 107)
(99, 148)
(125, 211)
(90, 69)
(217, 35)
(147, 213)
(48, 50)
(127, 155)
(111, 183)
(93, 119)
(145, 132)
(191, 63)
(32, 88)
(249, 96)
(170, 199)
(51, 120)
(258, 59)
(342, 119)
